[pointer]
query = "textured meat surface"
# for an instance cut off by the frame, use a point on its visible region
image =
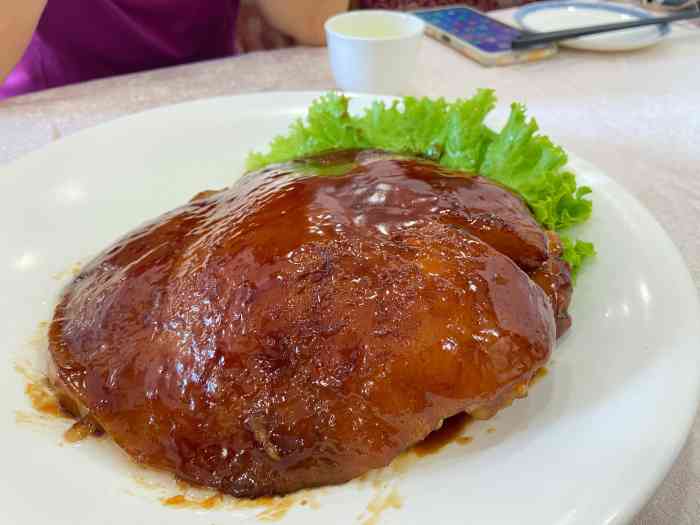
(310, 322)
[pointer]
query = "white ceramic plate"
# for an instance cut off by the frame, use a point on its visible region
(553, 16)
(587, 447)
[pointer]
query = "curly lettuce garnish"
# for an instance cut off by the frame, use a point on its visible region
(455, 135)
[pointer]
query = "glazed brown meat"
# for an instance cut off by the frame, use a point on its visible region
(310, 322)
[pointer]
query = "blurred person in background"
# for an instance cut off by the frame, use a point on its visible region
(407, 5)
(50, 43)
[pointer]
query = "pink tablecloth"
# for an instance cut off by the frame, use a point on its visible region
(636, 115)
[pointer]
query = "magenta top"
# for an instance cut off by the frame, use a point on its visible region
(80, 40)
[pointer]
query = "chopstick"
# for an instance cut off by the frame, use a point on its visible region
(534, 39)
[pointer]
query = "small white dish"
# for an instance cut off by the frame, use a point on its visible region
(554, 16)
(374, 51)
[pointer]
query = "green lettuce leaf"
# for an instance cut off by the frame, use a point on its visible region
(466, 136)
(576, 253)
(532, 166)
(415, 129)
(328, 126)
(455, 135)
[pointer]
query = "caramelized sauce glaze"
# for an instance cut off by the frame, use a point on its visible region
(450, 431)
(271, 509)
(82, 429)
(43, 399)
(388, 498)
(308, 323)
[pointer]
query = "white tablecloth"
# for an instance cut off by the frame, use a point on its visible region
(635, 115)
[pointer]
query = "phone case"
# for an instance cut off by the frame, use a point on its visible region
(501, 58)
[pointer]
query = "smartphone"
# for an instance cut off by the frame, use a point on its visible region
(478, 36)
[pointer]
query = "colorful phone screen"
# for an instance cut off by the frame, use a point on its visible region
(479, 30)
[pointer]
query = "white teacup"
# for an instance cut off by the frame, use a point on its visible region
(374, 51)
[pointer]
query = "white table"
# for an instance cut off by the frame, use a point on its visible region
(636, 115)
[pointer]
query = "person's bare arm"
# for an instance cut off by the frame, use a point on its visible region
(18, 19)
(302, 19)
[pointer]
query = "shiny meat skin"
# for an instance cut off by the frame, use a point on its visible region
(310, 322)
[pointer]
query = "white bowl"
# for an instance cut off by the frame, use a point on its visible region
(554, 16)
(374, 51)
